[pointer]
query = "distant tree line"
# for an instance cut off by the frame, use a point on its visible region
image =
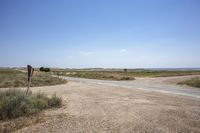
(43, 69)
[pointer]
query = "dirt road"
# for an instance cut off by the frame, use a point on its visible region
(104, 108)
(162, 84)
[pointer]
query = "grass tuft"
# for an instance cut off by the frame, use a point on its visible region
(55, 101)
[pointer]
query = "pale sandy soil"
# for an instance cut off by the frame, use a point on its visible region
(90, 108)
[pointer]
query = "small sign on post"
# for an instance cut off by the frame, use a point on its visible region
(30, 74)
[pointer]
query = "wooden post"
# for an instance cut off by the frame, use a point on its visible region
(30, 74)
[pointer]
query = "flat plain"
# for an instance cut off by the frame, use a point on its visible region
(90, 106)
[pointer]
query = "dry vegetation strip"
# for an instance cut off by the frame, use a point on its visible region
(194, 82)
(100, 75)
(13, 78)
(16, 103)
(120, 75)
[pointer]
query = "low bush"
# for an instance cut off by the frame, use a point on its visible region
(42, 69)
(15, 103)
(127, 78)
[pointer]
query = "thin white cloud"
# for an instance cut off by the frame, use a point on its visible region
(123, 50)
(69, 57)
(85, 53)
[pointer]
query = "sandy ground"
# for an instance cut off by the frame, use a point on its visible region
(93, 108)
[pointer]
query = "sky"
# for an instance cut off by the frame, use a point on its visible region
(100, 33)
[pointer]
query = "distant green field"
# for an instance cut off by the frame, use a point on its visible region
(120, 75)
(13, 78)
(194, 82)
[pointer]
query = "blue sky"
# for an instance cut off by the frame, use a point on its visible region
(100, 33)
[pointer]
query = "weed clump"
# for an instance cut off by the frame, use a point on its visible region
(15, 103)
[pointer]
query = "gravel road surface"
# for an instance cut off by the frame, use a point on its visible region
(162, 84)
(94, 106)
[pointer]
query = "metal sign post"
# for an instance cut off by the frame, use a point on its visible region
(30, 74)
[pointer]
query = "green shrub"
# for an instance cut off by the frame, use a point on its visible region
(125, 70)
(15, 103)
(42, 69)
(47, 69)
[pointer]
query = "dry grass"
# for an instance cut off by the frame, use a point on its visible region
(13, 78)
(194, 82)
(120, 75)
(99, 75)
(21, 122)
